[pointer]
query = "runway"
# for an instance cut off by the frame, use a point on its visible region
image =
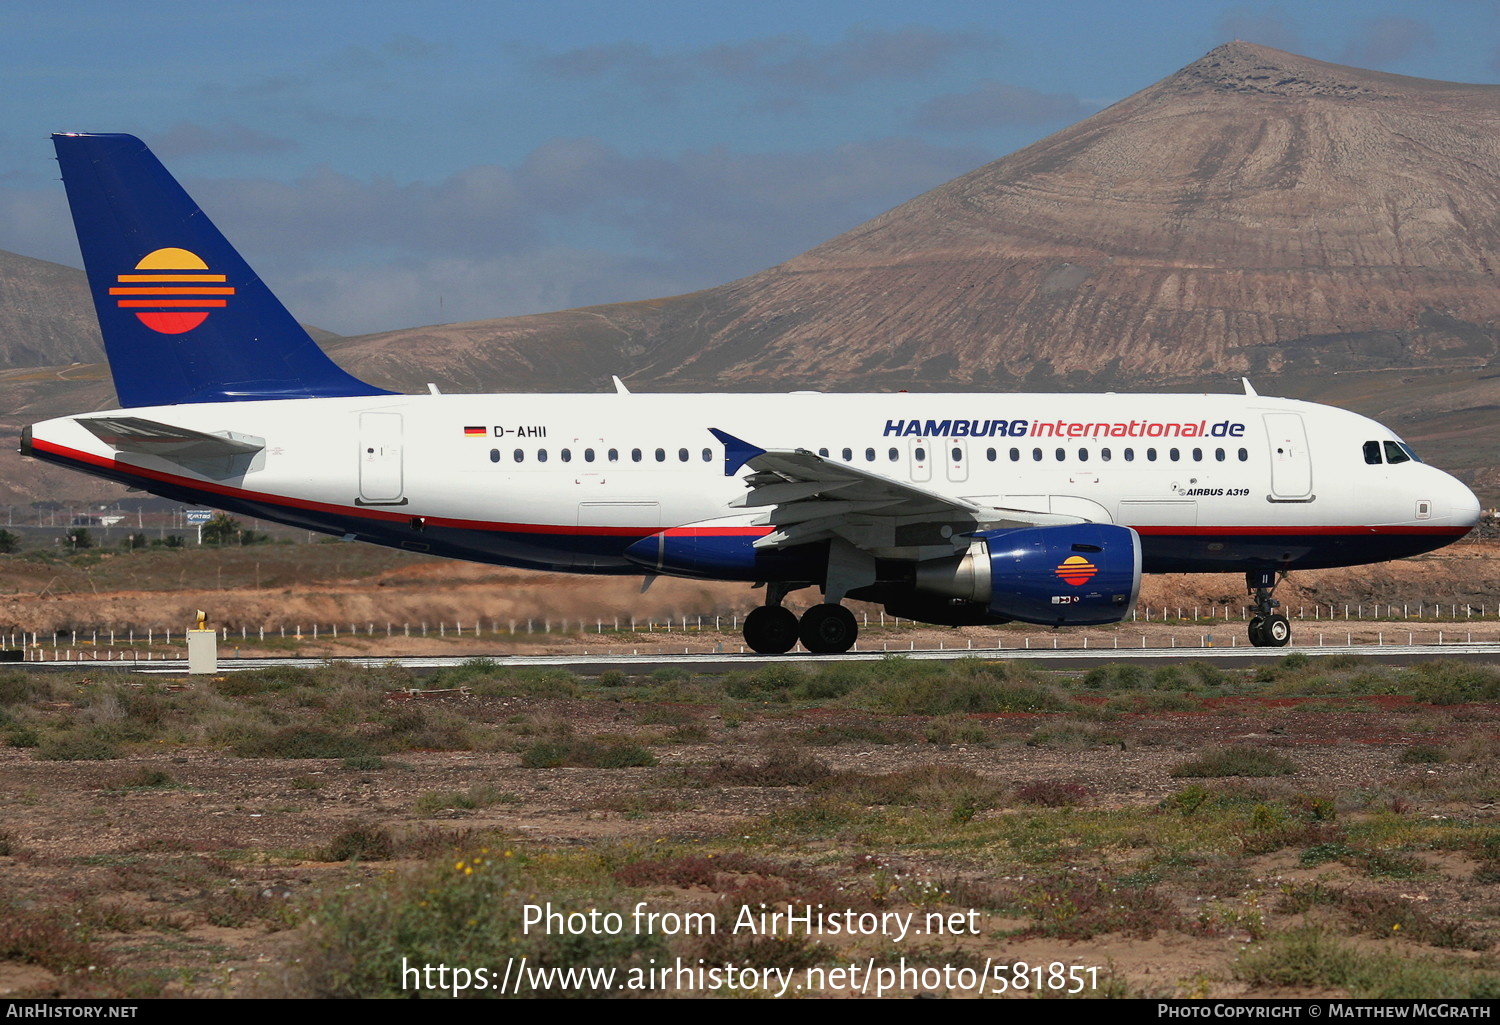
(716, 663)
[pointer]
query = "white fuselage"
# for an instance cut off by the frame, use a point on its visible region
(568, 481)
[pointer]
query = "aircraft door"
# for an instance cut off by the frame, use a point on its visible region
(380, 476)
(956, 451)
(1291, 462)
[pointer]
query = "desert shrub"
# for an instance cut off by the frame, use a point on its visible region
(784, 768)
(1236, 761)
(775, 682)
(1053, 793)
(599, 753)
(464, 911)
(833, 734)
(1115, 676)
(482, 796)
(359, 842)
(954, 729)
(303, 742)
(145, 777)
(419, 728)
(17, 687)
(1070, 736)
(1450, 682)
(1422, 754)
(1074, 907)
(83, 745)
(929, 786)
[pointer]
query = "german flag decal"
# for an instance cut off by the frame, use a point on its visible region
(1076, 570)
(172, 297)
(475, 432)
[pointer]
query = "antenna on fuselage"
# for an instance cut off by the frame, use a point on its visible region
(1249, 388)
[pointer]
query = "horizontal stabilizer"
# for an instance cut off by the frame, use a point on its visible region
(194, 449)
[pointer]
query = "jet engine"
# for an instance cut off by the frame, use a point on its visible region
(1075, 575)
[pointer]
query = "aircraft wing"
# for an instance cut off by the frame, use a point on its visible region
(812, 498)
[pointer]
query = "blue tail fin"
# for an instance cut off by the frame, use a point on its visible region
(184, 318)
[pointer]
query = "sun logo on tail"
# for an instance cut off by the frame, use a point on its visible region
(173, 295)
(1076, 570)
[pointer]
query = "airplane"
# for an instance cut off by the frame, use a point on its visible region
(951, 509)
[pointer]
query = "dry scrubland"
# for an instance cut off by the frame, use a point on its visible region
(1317, 826)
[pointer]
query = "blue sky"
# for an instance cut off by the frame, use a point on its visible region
(386, 164)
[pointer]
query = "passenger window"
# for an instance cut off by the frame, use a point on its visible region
(614, 455)
(494, 455)
(1036, 455)
(708, 455)
(823, 452)
(661, 455)
(1130, 455)
(1083, 455)
(1244, 455)
(1061, 455)
(869, 455)
(1395, 453)
(567, 455)
(1174, 455)
(1104, 454)
(682, 455)
(920, 455)
(1197, 455)
(588, 455)
(989, 454)
(848, 455)
(1015, 455)
(1150, 455)
(635, 455)
(958, 454)
(1372, 453)
(520, 456)
(893, 455)
(541, 455)
(1219, 454)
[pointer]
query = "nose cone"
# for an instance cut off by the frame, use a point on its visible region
(1463, 504)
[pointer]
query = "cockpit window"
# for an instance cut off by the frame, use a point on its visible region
(1397, 452)
(1372, 453)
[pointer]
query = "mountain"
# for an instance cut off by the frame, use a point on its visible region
(1325, 230)
(46, 315)
(1329, 232)
(1255, 213)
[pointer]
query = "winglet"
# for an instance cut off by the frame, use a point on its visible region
(620, 388)
(1249, 388)
(736, 452)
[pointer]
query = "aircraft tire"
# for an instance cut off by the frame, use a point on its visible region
(1258, 631)
(828, 629)
(771, 630)
(1277, 631)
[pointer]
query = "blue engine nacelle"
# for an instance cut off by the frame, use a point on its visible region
(1077, 574)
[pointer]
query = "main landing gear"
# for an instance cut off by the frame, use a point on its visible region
(1268, 628)
(824, 629)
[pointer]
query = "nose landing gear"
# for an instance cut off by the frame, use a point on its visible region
(1268, 628)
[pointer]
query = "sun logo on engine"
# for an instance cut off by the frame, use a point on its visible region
(1076, 570)
(173, 296)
